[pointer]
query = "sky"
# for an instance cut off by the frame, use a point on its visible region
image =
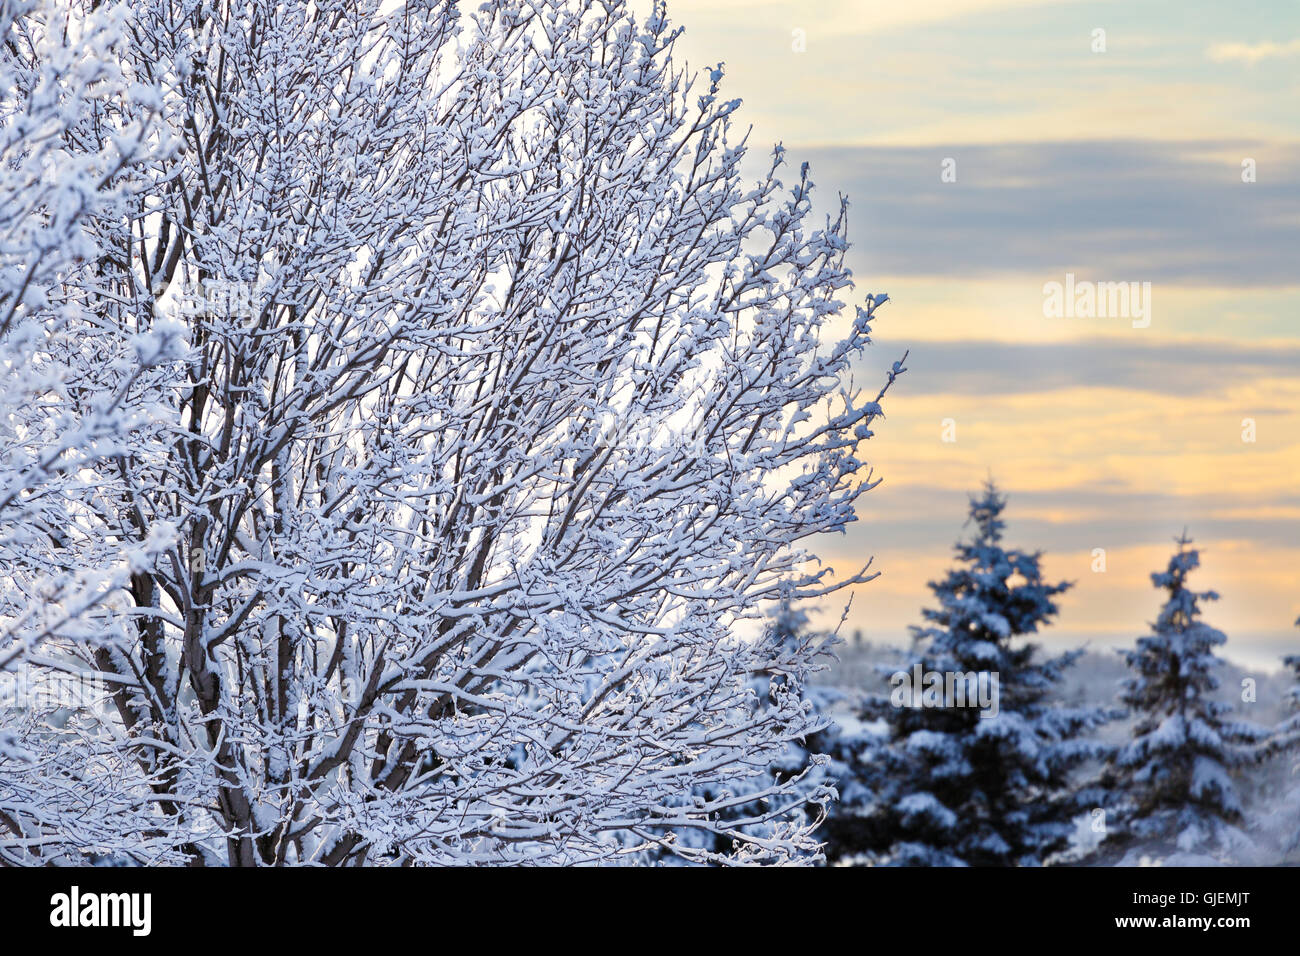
(990, 148)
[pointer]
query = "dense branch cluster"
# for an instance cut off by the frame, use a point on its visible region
(404, 411)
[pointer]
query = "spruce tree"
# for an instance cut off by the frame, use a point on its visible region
(1293, 661)
(1172, 784)
(973, 785)
(1286, 740)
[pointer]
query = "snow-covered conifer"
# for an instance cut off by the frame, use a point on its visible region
(1173, 794)
(971, 780)
(1286, 741)
(1293, 662)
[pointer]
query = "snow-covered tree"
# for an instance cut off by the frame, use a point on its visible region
(1288, 734)
(1293, 662)
(73, 132)
(1284, 820)
(793, 651)
(850, 746)
(507, 403)
(1172, 789)
(969, 779)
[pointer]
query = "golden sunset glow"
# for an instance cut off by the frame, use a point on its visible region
(1170, 157)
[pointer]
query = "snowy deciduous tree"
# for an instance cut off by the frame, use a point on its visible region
(1172, 783)
(851, 748)
(72, 134)
(966, 784)
(506, 403)
(793, 652)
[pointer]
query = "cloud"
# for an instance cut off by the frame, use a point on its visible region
(849, 17)
(1251, 53)
(987, 70)
(1117, 211)
(1169, 368)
